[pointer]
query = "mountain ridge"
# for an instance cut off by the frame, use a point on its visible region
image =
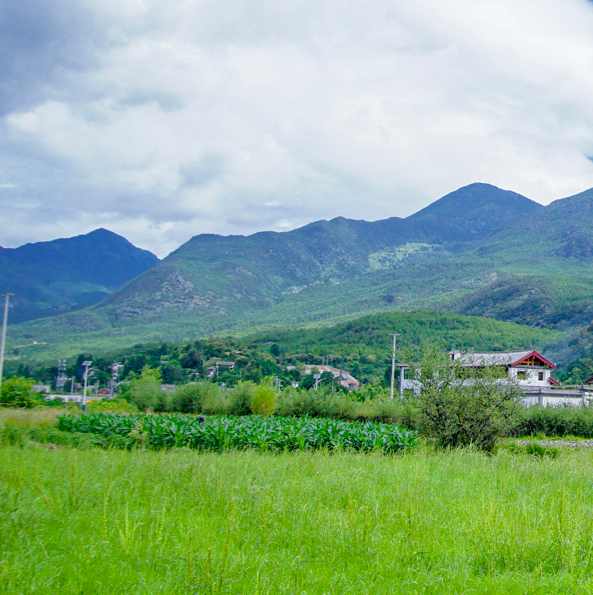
(65, 274)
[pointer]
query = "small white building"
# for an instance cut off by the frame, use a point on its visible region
(528, 368)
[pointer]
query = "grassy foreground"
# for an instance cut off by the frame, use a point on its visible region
(95, 521)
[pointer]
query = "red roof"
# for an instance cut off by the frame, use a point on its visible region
(537, 356)
(554, 381)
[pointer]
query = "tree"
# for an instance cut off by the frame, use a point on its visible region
(263, 399)
(19, 392)
(462, 406)
(145, 390)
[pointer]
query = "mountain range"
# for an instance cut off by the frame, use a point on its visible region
(479, 250)
(49, 278)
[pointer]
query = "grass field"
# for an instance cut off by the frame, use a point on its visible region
(95, 521)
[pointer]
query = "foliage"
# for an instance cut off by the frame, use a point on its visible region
(556, 421)
(19, 392)
(263, 399)
(362, 347)
(462, 406)
(255, 432)
(145, 392)
(110, 405)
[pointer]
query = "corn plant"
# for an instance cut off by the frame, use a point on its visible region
(219, 433)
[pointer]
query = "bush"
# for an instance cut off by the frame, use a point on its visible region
(145, 391)
(18, 392)
(240, 398)
(460, 406)
(556, 421)
(196, 398)
(262, 400)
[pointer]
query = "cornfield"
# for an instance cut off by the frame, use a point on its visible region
(219, 433)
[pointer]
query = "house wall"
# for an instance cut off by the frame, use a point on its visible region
(532, 376)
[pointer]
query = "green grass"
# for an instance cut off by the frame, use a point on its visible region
(95, 521)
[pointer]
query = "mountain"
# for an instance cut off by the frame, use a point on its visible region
(220, 275)
(321, 274)
(49, 278)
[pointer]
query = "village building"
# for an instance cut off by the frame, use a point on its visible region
(346, 380)
(215, 367)
(529, 369)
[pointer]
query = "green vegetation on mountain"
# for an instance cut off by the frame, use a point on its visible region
(364, 346)
(49, 278)
(479, 251)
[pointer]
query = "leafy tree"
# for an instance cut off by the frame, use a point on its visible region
(263, 399)
(145, 390)
(462, 406)
(18, 392)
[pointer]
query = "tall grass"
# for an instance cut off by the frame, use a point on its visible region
(556, 421)
(90, 522)
(30, 418)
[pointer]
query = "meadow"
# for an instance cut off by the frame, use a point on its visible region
(89, 520)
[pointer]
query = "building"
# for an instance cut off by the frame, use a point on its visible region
(528, 368)
(214, 368)
(346, 380)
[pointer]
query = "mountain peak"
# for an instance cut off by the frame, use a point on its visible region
(472, 212)
(473, 198)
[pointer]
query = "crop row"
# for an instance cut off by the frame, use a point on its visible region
(252, 432)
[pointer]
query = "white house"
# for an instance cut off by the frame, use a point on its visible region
(531, 370)
(528, 368)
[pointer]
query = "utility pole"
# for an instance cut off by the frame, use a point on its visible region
(394, 335)
(86, 374)
(6, 300)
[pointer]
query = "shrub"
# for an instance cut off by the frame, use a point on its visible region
(262, 400)
(460, 406)
(145, 391)
(556, 421)
(240, 398)
(196, 398)
(18, 392)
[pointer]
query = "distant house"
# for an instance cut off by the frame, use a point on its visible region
(346, 380)
(214, 368)
(528, 368)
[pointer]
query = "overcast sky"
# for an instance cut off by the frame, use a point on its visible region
(162, 120)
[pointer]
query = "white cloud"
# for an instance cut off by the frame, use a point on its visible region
(229, 117)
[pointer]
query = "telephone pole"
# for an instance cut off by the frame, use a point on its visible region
(6, 300)
(394, 335)
(86, 376)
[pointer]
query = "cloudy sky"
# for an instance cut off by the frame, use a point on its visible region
(162, 120)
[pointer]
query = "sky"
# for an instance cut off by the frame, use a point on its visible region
(163, 120)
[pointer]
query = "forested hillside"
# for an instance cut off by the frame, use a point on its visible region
(363, 345)
(49, 278)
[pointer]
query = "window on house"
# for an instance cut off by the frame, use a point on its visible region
(521, 375)
(540, 375)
